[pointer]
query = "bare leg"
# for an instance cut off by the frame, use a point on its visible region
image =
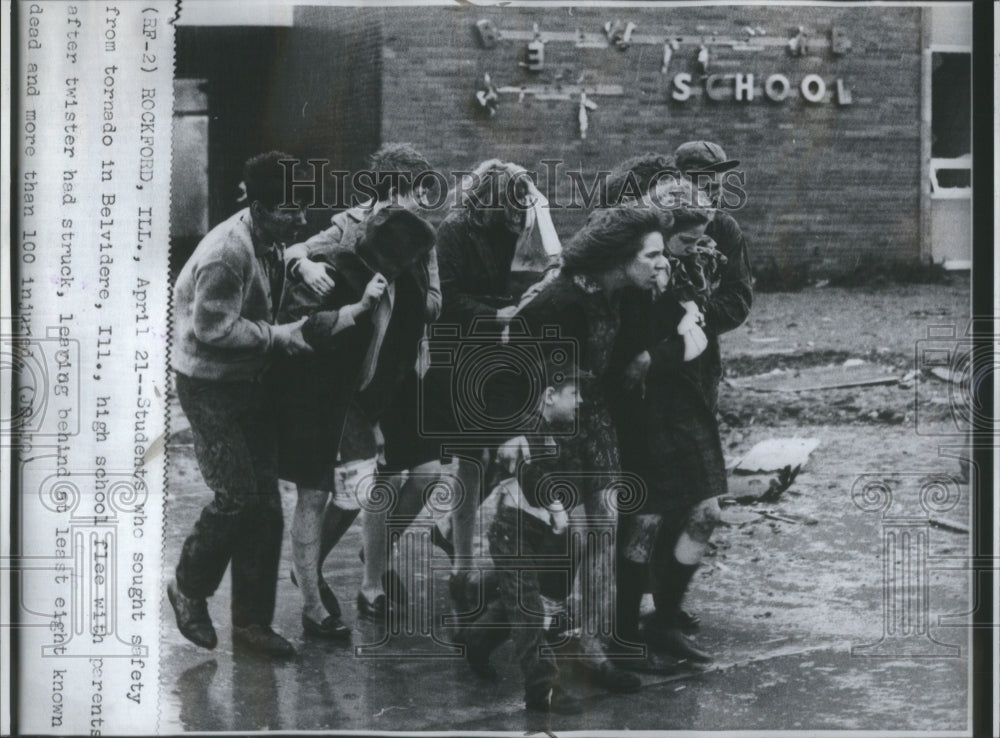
(336, 522)
(595, 580)
(374, 532)
(306, 530)
(411, 496)
(464, 514)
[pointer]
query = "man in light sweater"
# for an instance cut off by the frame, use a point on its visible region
(224, 334)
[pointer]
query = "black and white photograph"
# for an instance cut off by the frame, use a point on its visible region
(549, 368)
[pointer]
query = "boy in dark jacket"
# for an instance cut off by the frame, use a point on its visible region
(529, 535)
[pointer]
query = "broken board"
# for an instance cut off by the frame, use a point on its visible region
(819, 378)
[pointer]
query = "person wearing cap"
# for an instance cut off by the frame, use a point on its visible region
(224, 338)
(703, 163)
(677, 548)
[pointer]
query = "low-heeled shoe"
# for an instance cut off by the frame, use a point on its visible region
(332, 629)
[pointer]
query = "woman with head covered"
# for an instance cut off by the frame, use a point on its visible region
(365, 329)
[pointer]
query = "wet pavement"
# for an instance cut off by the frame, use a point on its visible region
(804, 621)
(790, 611)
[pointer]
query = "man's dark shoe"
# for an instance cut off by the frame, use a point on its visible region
(262, 639)
(192, 618)
(611, 678)
(326, 595)
(670, 640)
(331, 629)
(557, 700)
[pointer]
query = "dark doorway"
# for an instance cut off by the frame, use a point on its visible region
(312, 89)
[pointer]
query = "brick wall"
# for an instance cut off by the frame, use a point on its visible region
(827, 183)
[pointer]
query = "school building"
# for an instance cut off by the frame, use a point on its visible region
(852, 122)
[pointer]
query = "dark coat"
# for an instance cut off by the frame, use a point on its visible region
(475, 266)
(588, 324)
(732, 299)
(670, 436)
(317, 390)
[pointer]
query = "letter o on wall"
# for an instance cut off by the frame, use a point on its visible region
(813, 88)
(777, 86)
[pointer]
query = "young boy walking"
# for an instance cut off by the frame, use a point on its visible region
(527, 537)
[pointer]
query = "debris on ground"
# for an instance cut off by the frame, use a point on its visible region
(852, 373)
(947, 525)
(786, 517)
(757, 491)
(775, 454)
(946, 374)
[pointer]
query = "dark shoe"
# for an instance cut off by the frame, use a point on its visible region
(672, 641)
(192, 618)
(675, 578)
(376, 610)
(613, 679)
(332, 629)
(479, 662)
(330, 602)
(556, 700)
(262, 639)
(687, 622)
(391, 583)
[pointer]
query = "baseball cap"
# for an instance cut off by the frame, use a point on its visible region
(703, 156)
(561, 370)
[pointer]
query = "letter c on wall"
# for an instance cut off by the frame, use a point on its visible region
(713, 89)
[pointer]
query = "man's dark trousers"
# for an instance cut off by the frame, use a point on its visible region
(235, 444)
